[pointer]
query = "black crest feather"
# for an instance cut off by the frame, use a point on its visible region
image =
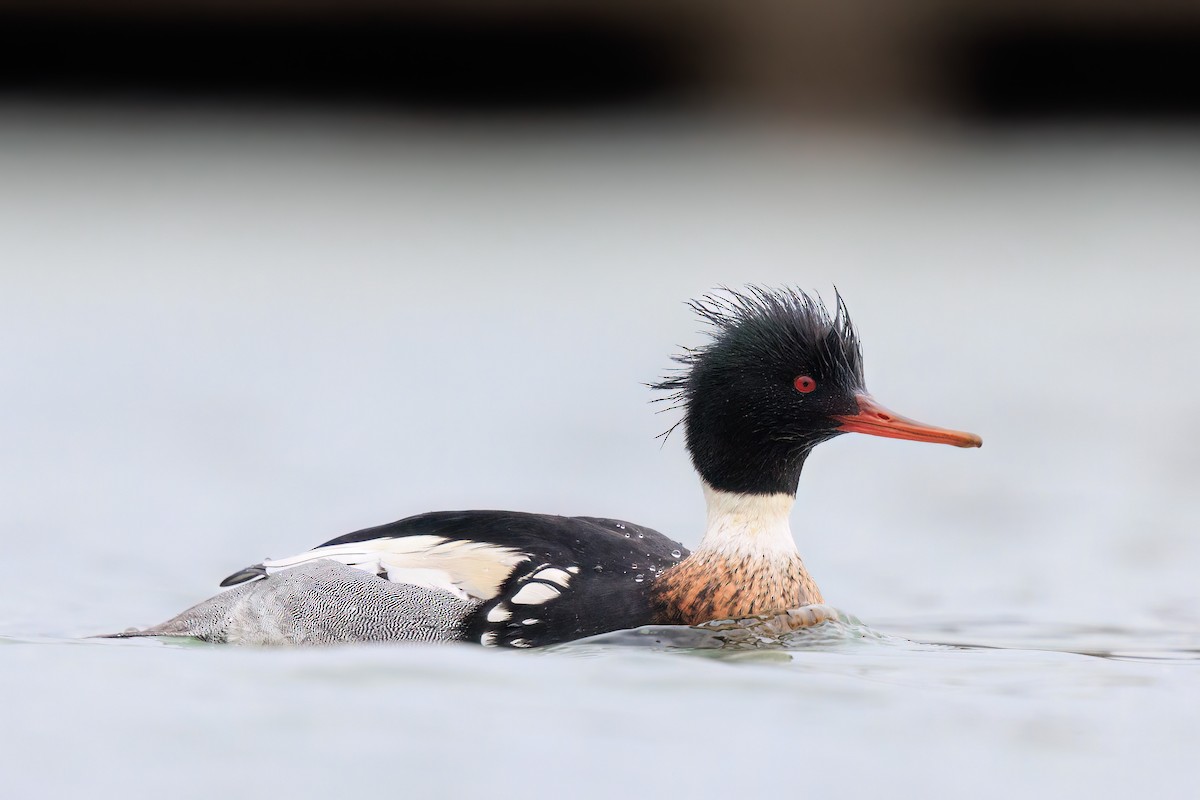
(757, 323)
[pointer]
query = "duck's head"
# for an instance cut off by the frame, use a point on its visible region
(780, 376)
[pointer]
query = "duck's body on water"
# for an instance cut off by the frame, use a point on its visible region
(780, 375)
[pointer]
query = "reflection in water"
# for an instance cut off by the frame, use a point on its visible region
(809, 626)
(824, 627)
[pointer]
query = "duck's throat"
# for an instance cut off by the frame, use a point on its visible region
(746, 564)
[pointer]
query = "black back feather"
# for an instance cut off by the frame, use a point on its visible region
(614, 564)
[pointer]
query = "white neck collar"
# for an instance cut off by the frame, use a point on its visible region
(747, 524)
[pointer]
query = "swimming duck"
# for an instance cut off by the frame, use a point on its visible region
(779, 376)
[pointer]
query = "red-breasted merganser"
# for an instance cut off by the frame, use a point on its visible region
(779, 376)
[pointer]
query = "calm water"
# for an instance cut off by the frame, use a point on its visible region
(223, 338)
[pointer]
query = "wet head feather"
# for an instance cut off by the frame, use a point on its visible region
(759, 326)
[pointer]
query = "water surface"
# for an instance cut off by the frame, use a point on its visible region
(225, 337)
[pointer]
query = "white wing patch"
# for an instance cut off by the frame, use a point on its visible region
(532, 594)
(552, 575)
(513, 617)
(466, 569)
(499, 614)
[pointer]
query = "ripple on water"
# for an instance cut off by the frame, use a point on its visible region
(796, 629)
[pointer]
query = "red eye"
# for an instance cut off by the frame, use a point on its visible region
(804, 384)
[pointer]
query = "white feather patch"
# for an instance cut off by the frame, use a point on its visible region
(533, 594)
(466, 569)
(553, 575)
(747, 525)
(499, 614)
